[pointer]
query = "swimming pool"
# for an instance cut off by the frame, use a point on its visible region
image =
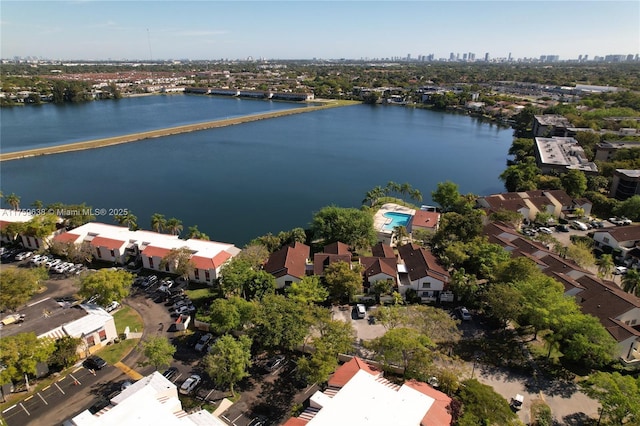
(397, 219)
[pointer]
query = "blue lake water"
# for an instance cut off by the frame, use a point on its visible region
(243, 181)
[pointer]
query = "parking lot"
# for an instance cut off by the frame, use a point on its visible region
(67, 396)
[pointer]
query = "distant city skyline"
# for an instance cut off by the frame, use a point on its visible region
(161, 30)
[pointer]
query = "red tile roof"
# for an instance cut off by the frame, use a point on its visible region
(66, 237)
(152, 251)
(382, 250)
(425, 219)
(322, 260)
(206, 263)
(421, 263)
(623, 233)
(379, 265)
(295, 421)
(289, 260)
(349, 369)
(438, 414)
(337, 248)
(107, 243)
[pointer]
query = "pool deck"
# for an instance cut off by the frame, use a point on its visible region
(379, 220)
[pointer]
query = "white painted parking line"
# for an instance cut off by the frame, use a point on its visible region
(77, 369)
(75, 381)
(7, 409)
(210, 392)
(234, 420)
(43, 400)
(177, 377)
(28, 398)
(44, 389)
(25, 410)
(59, 388)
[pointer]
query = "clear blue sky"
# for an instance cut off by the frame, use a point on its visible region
(86, 29)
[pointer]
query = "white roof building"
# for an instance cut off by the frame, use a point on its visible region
(151, 401)
(118, 244)
(358, 394)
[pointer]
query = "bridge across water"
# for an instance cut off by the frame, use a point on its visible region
(133, 137)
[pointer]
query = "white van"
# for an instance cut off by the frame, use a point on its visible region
(579, 226)
(361, 311)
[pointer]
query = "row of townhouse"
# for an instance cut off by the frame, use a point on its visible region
(119, 245)
(618, 311)
(555, 202)
(414, 268)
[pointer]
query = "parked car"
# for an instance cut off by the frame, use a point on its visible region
(274, 363)
(597, 223)
(620, 270)
(125, 384)
(545, 230)
(361, 311)
(170, 372)
(94, 363)
(463, 313)
(576, 224)
(186, 309)
(24, 255)
(517, 401)
(112, 306)
(190, 384)
(202, 343)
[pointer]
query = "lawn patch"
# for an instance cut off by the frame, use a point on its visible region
(127, 316)
(117, 351)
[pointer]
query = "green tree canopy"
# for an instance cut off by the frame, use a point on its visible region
(619, 396)
(406, 348)
(332, 337)
(159, 351)
(629, 208)
(107, 284)
(308, 290)
(483, 406)
(343, 281)
(179, 261)
(348, 225)
(66, 352)
(19, 284)
(281, 323)
(574, 182)
(21, 353)
(228, 360)
(446, 195)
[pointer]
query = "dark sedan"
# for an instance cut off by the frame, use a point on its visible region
(94, 363)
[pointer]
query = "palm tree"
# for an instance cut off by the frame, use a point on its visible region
(631, 282)
(37, 204)
(158, 222)
(131, 221)
(392, 187)
(14, 201)
(373, 196)
(416, 195)
(194, 232)
(174, 226)
(605, 265)
(401, 234)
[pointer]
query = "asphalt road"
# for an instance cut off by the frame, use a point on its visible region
(68, 396)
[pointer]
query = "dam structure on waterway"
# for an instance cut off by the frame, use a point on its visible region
(168, 131)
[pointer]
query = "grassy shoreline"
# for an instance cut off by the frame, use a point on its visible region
(133, 137)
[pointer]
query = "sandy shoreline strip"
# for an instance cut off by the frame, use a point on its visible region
(133, 137)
